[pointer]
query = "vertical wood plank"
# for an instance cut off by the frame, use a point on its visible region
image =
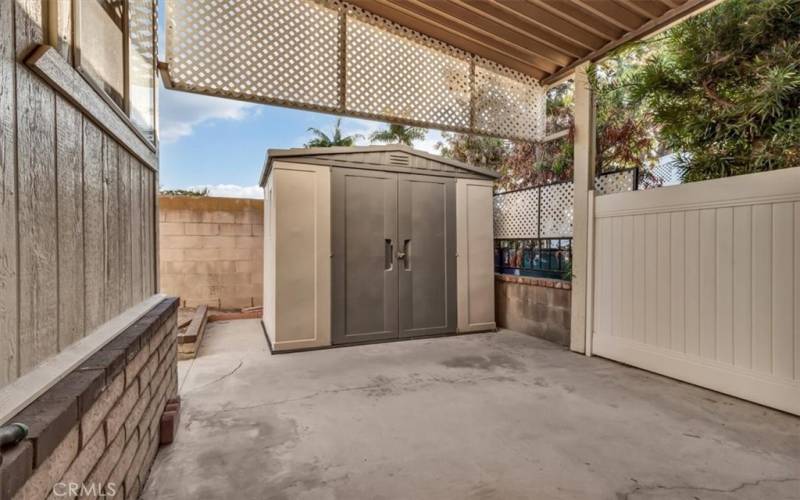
(151, 226)
(708, 283)
(677, 246)
(639, 269)
(69, 164)
(143, 249)
(29, 19)
(137, 293)
(93, 229)
(762, 288)
(124, 228)
(783, 290)
(616, 277)
(692, 281)
(627, 277)
(651, 279)
(8, 201)
(156, 244)
(663, 274)
(147, 237)
(742, 286)
(111, 226)
(38, 244)
(724, 318)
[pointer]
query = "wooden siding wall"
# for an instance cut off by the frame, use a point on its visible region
(708, 273)
(77, 231)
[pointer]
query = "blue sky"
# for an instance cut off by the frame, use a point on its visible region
(221, 143)
(206, 141)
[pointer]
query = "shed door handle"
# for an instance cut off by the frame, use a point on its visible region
(404, 255)
(388, 257)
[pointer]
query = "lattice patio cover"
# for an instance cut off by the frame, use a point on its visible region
(334, 57)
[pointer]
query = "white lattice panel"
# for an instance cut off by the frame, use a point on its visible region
(393, 72)
(507, 103)
(516, 214)
(557, 210)
(615, 182)
(274, 51)
(330, 56)
(665, 173)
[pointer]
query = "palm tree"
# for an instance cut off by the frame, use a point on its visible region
(398, 134)
(323, 140)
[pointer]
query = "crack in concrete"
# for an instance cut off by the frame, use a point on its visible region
(218, 379)
(655, 487)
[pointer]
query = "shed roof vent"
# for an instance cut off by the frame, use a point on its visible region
(400, 159)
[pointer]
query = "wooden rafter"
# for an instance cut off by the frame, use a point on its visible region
(510, 21)
(541, 38)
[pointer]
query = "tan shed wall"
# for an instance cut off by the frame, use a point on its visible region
(269, 260)
(77, 209)
(212, 250)
(300, 247)
(475, 248)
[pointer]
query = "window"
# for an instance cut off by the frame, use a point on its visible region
(101, 51)
(141, 54)
(115, 51)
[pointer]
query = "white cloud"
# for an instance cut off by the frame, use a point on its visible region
(231, 191)
(429, 143)
(181, 112)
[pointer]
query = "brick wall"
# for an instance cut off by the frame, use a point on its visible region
(212, 250)
(99, 426)
(536, 306)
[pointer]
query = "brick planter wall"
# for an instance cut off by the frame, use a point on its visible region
(536, 306)
(99, 426)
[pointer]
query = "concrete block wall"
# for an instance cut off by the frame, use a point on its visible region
(96, 432)
(536, 306)
(211, 250)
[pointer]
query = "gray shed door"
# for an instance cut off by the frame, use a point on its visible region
(393, 255)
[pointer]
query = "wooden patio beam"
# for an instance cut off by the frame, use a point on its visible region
(583, 201)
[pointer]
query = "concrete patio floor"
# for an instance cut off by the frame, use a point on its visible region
(499, 415)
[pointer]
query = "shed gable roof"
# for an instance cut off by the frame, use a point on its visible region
(377, 157)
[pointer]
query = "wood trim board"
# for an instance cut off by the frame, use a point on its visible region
(46, 62)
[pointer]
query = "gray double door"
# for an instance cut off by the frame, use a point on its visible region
(394, 257)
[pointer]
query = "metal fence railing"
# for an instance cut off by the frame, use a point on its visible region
(537, 257)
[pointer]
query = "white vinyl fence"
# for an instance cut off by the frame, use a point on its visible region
(701, 282)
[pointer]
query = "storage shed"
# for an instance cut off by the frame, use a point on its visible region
(374, 243)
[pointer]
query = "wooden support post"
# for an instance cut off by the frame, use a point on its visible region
(582, 240)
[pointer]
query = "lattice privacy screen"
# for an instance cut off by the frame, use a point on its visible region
(547, 211)
(541, 212)
(516, 214)
(330, 56)
(615, 182)
(557, 210)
